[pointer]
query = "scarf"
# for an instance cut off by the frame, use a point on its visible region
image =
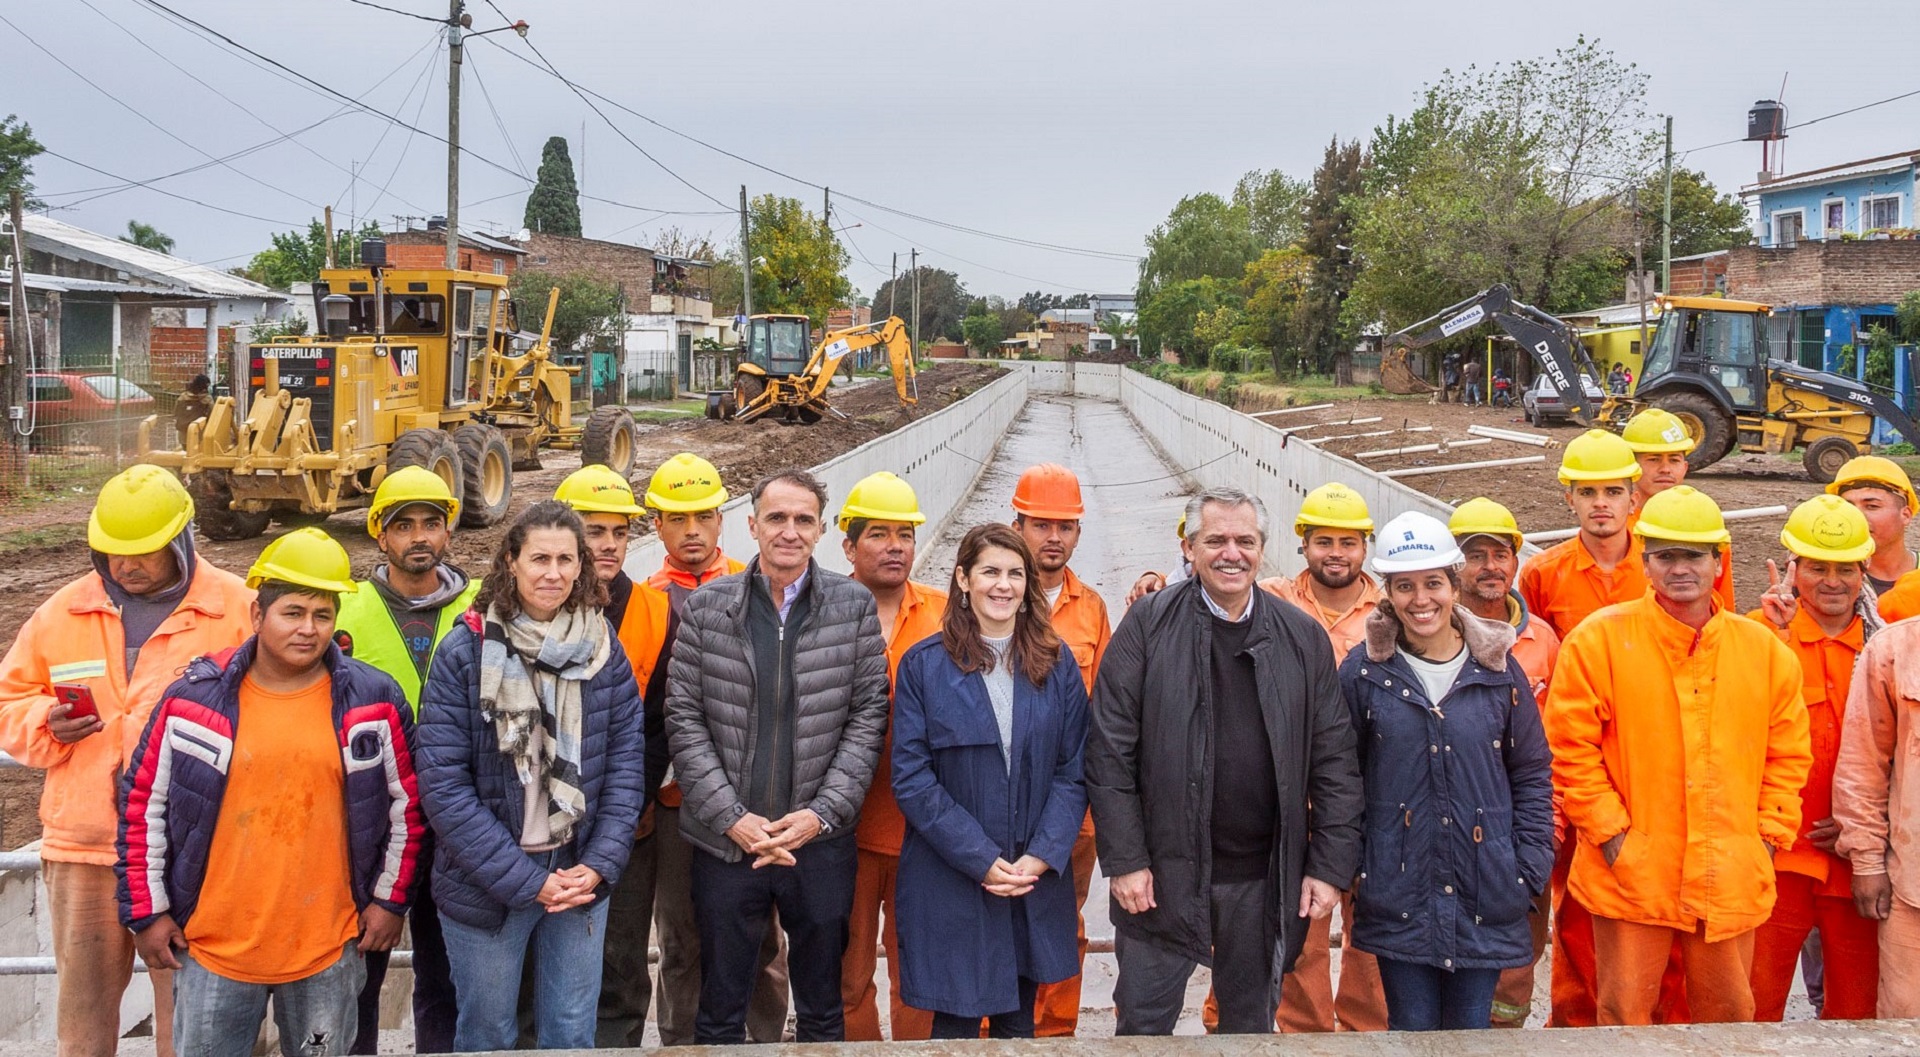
(534, 673)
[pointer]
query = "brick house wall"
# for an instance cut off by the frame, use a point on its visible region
(1698, 276)
(175, 354)
(1830, 272)
(428, 249)
(628, 267)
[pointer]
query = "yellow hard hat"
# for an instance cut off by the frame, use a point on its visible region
(1180, 530)
(1597, 455)
(1484, 517)
(1682, 514)
(1657, 430)
(307, 557)
(407, 485)
(598, 489)
(684, 484)
(1874, 470)
(139, 511)
(1333, 505)
(1827, 528)
(882, 497)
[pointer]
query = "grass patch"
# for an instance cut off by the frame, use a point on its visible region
(1263, 391)
(41, 538)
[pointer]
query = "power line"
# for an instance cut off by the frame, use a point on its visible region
(148, 184)
(975, 264)
(1011, 239)
(419, 81)
(135, 111)
(408, 143)
(397, 11)
(1811, 121)
(498, 124)
(551, 68)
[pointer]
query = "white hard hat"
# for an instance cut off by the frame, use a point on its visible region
(1415, 542)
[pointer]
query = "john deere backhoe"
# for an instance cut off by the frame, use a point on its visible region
(415, 368)
(1708, 366)
(777, 376)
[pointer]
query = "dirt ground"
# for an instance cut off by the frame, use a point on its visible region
(742, 452)
(1533, 492)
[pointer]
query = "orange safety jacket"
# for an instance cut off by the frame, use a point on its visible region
(882, 828)
(76, 637)
(1904, 600)
(1692, 744)
(643, 633)
(1563, 585)
(1826, 677)
(1346, 630)
(1080, 619)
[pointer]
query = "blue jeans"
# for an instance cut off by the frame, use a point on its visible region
(1429, 998)
(566, 954)
(214, 1016)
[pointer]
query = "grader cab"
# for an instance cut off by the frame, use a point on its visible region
(415, 367)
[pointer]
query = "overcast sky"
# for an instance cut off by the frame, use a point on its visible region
(1071, 123)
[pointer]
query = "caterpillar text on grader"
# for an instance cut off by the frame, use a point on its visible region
(1708, 365)
(415, 368)
(781, 372)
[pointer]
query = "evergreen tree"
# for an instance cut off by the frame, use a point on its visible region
(554, 205)
(1328, 240)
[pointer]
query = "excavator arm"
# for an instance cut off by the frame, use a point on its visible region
(836, 345)
(1552, 343)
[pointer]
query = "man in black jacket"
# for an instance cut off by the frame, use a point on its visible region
(776, 711)
(1217, 718)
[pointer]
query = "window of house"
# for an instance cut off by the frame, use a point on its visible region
(1833, 213)
(1879, 213)
(1789, 227)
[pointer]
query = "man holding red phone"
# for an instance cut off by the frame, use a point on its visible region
(116, 637)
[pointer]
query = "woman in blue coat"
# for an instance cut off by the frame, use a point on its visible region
(1459, 823)
(531, 767)
(990, 728)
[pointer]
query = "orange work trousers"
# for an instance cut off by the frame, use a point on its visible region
(1574, 991)
(1850, 947)
(1056, 1008)
(1513, 997)
(873, 883)
(1634, 957)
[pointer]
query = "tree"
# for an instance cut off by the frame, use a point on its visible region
(1276, 287)
(673, 242)
(1704, 220)
(799, 265)
(589, 308)
(983, 332)
(1274, 204)
(1203, 237)
(146, 236)
(554, 205)
(298, 256)
(1170, 319)
(1328, 242)
(18, 148)
(943, 301)
(1512, 175)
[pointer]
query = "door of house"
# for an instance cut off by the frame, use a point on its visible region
(685, 375)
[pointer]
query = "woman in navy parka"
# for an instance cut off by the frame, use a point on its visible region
(990, 726)
(1459, 824)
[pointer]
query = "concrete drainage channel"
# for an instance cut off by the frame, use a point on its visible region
(1139, 446)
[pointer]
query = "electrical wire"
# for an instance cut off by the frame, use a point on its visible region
(975, 264)
(136, 112)
(397, 11)
(148, 184)
(498, 124)
(408, 142)
(1809, 121)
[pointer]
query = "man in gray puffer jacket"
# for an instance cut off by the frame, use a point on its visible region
(776, 712)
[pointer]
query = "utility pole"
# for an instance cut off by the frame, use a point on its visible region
(746, 260)
(915, 266)
(826, 207)
(13, 393)
(1666, 215)
(893, 285)
(455, 28)
(1639, 270)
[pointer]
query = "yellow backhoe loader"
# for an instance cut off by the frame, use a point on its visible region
(777, 376)
(415, 367)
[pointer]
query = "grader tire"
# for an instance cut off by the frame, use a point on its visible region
(486, 467)
(213, 516)
(611, 440)
(433, 450)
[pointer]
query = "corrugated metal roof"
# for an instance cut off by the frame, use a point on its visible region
(61, 284)
(162, 269)
(1816, 177)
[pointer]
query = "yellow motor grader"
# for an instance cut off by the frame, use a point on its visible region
(414, 367)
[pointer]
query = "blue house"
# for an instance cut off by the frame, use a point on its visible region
(1858, 199)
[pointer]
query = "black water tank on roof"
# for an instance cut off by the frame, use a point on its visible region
(1767, 120)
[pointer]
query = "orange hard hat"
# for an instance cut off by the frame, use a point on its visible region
(1048, 490)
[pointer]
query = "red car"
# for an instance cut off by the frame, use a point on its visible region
(65, 400)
